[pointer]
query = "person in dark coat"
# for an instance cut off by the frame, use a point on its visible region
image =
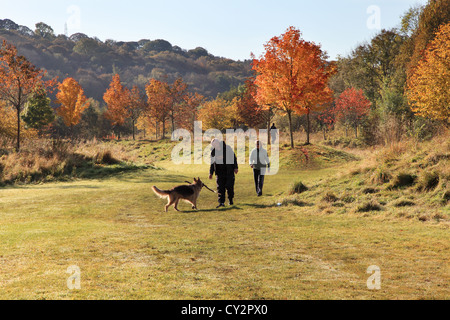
(224, 165)
(273, 134)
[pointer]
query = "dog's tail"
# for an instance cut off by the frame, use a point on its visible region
(160, 193)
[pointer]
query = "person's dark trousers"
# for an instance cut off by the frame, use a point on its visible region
(259, 181)
(225, 183)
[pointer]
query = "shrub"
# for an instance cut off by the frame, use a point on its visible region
(369, 190)
(105, 157)
(446, 196)
(348, 199)
(402, 180)
(428, 181)
(297, 187)
(381, 176)
(404, 203)
(330, 197)
(293, 201)
(369, 206)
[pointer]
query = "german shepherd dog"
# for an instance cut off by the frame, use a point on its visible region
(188, 193)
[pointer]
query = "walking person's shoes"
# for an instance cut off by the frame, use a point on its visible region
(220, 205)
(231, 202)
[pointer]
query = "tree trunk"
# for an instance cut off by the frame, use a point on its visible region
(308, 127)
(356, 131)
(133, 129)
(269, 134)
(290, 128)
(18, 129)
(173, 122)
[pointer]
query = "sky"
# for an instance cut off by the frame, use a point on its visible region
(232, 29)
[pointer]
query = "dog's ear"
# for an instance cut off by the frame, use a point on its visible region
(195, 180)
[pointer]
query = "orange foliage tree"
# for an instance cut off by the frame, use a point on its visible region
(72, 102)
(292, 76)
(428, 88)
(18, 79)
(177, 92)
(159, 102)
(117, 99)
(189, 114)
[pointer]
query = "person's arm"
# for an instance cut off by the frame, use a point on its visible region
(267, 158)
(236, 167)
(251, 159)
(212, 166)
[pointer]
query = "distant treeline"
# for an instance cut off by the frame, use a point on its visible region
(93, 62)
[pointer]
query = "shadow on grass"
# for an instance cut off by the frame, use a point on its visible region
(147, 178)
(222, 209)
(297, 203)
(83, 186)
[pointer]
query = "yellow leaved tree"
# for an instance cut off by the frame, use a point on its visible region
(429, 86)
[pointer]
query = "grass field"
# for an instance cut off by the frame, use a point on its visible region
(314, 245)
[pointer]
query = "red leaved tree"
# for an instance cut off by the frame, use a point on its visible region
(351, 108)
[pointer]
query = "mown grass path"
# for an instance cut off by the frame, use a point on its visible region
(116, 232)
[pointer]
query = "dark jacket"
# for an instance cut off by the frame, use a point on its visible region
(219, 163)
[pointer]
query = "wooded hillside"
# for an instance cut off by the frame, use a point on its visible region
(93, 62)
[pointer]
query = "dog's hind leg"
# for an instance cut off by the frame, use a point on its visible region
(169, 203)
(175, 205)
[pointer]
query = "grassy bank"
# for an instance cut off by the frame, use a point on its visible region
(58, 160)
(317, 247)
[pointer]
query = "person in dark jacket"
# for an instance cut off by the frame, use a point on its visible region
(224, 165)
(273, 134)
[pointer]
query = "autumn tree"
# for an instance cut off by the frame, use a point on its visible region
(117, 99)
(192, 102)
(159, 102)
(429, 86)
(292, 76)
(72, 102)
(18, 79)
(137, 105)
(177, 92)
(251, 113)
(215, 114)
(8, 122)
(326, 119)
(351, 107)
(434, 14)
